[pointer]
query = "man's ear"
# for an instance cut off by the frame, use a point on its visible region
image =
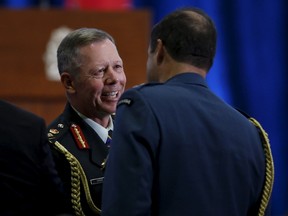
(160, 51)
(67, 82)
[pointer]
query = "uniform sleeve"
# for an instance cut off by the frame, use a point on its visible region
(129, 171)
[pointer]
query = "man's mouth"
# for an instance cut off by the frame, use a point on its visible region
(112, 94)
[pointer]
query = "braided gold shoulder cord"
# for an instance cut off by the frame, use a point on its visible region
(269, 170)
(77, 172)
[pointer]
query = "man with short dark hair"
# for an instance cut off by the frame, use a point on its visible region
(179, 149)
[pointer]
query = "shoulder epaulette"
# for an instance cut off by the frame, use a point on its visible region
(55, 132)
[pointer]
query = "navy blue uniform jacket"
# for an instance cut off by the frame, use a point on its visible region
(179, 150)
(29, 184)
(69, 129)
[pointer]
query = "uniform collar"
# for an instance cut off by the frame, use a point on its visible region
(189, 77)
(99, 129)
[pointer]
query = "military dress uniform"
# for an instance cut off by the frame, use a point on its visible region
(80, 155)
(183, 151)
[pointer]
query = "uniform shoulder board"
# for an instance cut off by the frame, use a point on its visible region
(56, 131)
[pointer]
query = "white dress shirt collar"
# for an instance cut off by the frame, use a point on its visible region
(99, 129)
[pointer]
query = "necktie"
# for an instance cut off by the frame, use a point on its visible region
(109, 138)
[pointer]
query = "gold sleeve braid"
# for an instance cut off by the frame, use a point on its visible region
(77, 173)
(269, 169)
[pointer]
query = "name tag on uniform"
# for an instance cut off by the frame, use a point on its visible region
(96, 181)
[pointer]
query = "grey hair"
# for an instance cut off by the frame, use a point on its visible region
(68, 57)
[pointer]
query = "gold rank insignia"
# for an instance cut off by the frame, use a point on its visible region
(54, 131)
(79, 137)
(50, 135)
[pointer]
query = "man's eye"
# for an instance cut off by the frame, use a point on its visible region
(118, 67)
(97, 74)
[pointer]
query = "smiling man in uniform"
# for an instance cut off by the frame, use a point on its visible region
(93, 77)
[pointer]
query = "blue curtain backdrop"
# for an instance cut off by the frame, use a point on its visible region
(22, 4)
(250, 70)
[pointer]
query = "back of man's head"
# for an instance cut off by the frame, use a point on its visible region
(189, 36)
